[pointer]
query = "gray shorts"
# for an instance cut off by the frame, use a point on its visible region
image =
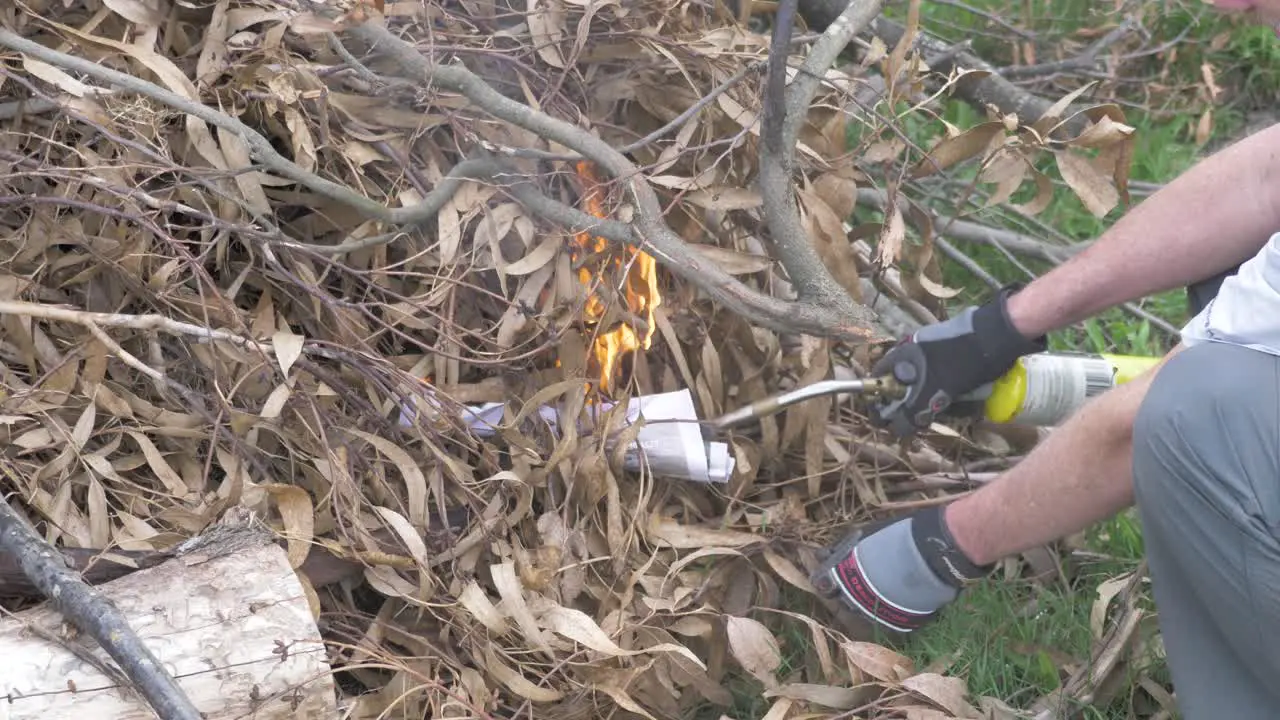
(1206, 466)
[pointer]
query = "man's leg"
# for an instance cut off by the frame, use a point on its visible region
(1206, 473)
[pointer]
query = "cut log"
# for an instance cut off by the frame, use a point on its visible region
(230, 621)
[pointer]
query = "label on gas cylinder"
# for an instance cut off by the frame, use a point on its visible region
(1058, 385)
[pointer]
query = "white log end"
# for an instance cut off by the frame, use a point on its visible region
(236, 632)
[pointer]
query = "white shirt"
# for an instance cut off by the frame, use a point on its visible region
(1246, 310)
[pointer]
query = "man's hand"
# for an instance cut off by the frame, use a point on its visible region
(899, 573)
(944, 361)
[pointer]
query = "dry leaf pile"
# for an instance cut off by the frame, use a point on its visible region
(191, 325)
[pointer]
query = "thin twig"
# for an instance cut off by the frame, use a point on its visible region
(966, 262)
(652, 137)
(1085, 59)
(989, 16)
(969, 231)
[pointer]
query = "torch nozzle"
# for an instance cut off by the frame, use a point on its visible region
(885, 385)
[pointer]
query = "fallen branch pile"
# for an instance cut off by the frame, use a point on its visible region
(273, 257)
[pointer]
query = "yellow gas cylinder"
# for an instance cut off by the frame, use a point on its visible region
(1046, 388)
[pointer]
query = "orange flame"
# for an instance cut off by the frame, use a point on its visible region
(639, 292)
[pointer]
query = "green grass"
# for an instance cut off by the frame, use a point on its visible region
(1017, 640)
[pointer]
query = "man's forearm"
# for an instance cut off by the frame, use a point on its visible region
(1079, 475)
(1213, 217)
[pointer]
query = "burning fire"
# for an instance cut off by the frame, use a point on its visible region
(639, 291)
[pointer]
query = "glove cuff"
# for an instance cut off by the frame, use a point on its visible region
(898, 574)
(940, 551)
(1001, 342)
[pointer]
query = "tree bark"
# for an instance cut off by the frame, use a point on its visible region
(232, 626)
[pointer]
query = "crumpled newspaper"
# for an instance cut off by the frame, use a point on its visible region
(667, 449)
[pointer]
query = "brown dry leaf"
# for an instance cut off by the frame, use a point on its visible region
(474, 599)
(213, 55)
(878, 661)
(34, 439)
(735, 262)
(546, 25)
(755, 648)
(99, 518)
(1204, 126)
(1053, 114)
(309, 23)
(137, 11)
(838, 698)
(936, 289)
(884, 151)
(295, 508)
(788, 571)
(414, 479)
(171, 77)
(1007, 170)
(516, 682)
(725, 198)
(621, 697)
(1103, 132)
(839, 192)
(1107, 591)
(411, 538)
(535, 259)
(892, 235)
(449, 227)
(84, 427)
(578, 626)
(515, 607)
(668, 533)
(1210, 81)
(971, 143)
(57, 77)
(1093, 188)
(288, 347)
(1044, 196)
(947, 692)
(164, 472)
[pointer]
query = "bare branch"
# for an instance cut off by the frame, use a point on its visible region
(783, 113)
(854, 19)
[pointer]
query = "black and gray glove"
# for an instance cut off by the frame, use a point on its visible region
(941, 363)
(899, 573)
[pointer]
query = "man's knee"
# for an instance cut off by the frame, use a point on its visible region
(1209, 424)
